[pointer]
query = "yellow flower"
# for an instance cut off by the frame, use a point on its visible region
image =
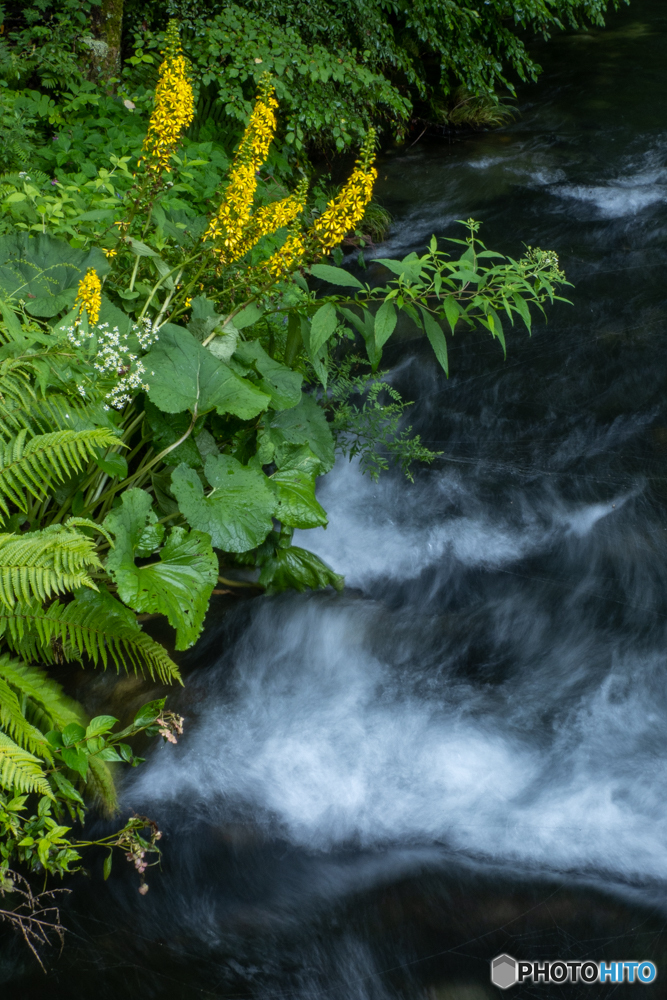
(173, 107)
(288, 258)
(108, 253)
(345, 211)
(227, 228)
(188, 303)
(89, 296)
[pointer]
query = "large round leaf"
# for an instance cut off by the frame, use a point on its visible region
(238, 511)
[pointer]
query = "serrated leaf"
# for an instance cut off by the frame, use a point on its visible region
(113, 464)
(184, 375)
(282, 384)
(322, 326)
(452, 312)
(436, 338)
(247, 317)
(523, 310)
(410, 267)
(140, 249)
(76, 759)
(238, 511)
(335, 276)
(305, 424)
(72, 733)
(298, 569)
(385, 323)
(100, 724)
(297, 505)
(179, 585)
(149, 712)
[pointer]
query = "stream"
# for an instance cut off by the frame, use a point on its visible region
(465, 752)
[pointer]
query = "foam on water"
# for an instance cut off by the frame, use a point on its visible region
(313, 727)
(322, 740)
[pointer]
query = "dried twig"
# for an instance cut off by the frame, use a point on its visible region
(36, 917)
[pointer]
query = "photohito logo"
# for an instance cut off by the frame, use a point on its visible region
(506, 971)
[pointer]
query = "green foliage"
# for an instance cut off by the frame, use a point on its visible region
(43, 563)
(179, 585)
(367, 415)
(179, 434)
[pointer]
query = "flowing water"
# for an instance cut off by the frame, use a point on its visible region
(466, 751)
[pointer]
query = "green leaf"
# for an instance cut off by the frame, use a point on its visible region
(410, 267)
(100, 724)
(305, 424)
(66, 788)
(523, 310)
(108, 753)
(73, 733)
(298, 569)
(178, 586)
(247, 317)
(237, 512)
(385, 323)
(183, 375)
(43, 266)
(297, 504)
(148, 713)
(279, 381)
(203, 317)
(76, 759)
(335, 276)
(108, 861)
(113, 464)
(167, 429)
(436, 338)
(140, 249)
(323, 325)
(46, 306)
(452, 312)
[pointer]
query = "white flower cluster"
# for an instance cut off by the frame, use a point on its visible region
(114, 357)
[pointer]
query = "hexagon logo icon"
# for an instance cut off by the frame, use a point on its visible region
(503, 971)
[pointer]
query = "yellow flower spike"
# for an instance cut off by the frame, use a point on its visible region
(285, 260)
(346, 211)
(227, 228)
(268, 219)
(89, 296)
(174, 106)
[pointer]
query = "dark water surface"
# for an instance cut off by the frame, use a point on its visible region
(466, 752)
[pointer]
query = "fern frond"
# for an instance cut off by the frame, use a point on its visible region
(101, 629)
(19, 770)
(44, 563)
(29, 468)
(47, 706)
(41, 415)
(15, 387)
(17, 726)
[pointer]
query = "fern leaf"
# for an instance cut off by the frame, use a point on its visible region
(17, 726)
(29, 468)
(19, 770)
(47, 707)
(43, 563)
(95, 625)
